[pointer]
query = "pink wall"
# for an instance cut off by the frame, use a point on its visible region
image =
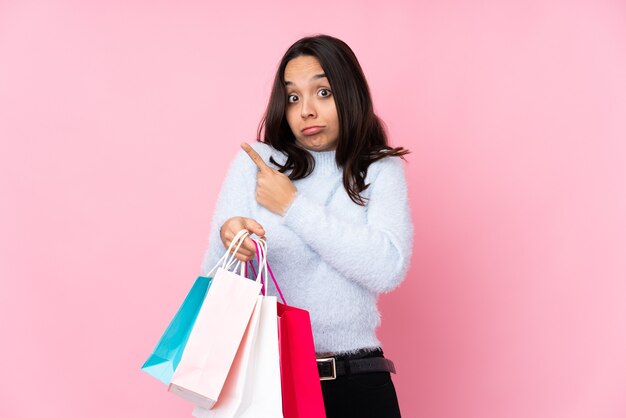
(118, 120)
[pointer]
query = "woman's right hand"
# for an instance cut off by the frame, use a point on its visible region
(232, 226)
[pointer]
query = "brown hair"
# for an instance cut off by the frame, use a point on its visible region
(362, 138)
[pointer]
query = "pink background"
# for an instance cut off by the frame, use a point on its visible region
(118, 120)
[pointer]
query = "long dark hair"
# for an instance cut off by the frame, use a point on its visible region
(362, 138)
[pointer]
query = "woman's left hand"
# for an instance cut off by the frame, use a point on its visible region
(274, 190)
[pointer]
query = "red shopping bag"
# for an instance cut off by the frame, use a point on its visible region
(300, 381)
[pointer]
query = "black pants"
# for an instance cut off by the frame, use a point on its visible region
(367, 395)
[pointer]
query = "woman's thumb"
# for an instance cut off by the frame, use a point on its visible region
(253, 226)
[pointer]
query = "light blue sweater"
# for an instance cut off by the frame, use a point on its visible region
(330, 256)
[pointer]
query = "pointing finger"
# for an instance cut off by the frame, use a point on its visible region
(256, 158)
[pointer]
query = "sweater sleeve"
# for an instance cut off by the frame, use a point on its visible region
(375, 254)
(235, 199)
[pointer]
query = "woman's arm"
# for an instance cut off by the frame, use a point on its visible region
(375, 254)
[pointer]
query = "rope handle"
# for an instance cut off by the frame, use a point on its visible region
(228, 261)
(261, 247)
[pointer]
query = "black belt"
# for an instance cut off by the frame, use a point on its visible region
(330, 368)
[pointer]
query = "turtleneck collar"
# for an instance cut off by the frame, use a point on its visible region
(324, 162)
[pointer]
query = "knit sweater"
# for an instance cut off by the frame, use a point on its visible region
(330, 256)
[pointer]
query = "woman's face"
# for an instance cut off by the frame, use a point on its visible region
(311, 111)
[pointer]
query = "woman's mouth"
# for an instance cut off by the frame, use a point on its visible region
(312, 130)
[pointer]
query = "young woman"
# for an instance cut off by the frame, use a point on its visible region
(329, 195)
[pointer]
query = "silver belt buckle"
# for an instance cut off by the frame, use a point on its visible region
(329, 360)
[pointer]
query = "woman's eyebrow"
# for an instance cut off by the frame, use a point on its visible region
(315, 77)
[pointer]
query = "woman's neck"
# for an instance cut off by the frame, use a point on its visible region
(325, 162)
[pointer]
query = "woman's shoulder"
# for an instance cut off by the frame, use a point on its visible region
(388, 167)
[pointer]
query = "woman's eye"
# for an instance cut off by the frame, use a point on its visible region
(292, 98)
(324, 92)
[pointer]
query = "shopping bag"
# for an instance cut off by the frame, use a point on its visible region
(252, 388)
(168, 351)
(230, 399)
(262, 396)
(217, 334)
(301, 388)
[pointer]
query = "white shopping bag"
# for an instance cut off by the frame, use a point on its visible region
(263, 396)
(253, 388)
(229, 402)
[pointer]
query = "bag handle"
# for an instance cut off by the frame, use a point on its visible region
(239, 238)
(228, 259)
(261, 248)
(276, 284)
(243, 270)
(261, 262)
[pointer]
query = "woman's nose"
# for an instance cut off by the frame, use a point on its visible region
(308, 109)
